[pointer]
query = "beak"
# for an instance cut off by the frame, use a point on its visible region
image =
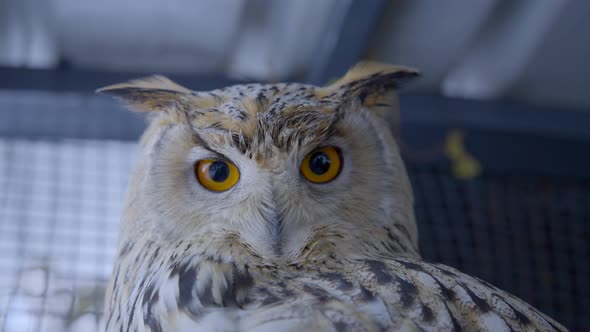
(276, 229)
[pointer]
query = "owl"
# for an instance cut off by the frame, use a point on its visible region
(284, 207)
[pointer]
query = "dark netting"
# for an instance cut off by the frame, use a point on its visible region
(527, 235)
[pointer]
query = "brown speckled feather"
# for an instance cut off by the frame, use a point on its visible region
(276, 252)
(388, 294)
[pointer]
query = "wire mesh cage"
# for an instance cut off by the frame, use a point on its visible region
(59, 215)
(64, 163)
(525, 234)
(60, 199)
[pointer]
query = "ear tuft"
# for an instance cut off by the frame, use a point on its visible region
(372, 85)
(151, 82)
(154, 93)
(367, 71)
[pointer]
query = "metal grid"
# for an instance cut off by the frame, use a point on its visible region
(60, 203)
(527, 235)
(59, 210)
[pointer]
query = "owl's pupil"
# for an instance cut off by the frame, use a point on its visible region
(218, 171)
(319, 163)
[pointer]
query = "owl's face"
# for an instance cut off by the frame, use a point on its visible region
(280, 173)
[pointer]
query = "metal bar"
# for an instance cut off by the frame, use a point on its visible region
(351, 38)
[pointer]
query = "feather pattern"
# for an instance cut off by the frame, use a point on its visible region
(178, 292)
(276, 252)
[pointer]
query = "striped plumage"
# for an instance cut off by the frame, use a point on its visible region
(276, 252)
(180, 293)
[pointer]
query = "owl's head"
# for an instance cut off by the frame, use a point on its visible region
(279, 173)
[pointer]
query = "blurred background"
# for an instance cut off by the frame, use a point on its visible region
(496, 132)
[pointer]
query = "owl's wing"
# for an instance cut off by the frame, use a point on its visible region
(438, 297)
(392, 295)
(368, 295)
(292, 302)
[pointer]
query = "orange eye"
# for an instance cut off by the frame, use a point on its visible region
(216, 175)
(322, 165)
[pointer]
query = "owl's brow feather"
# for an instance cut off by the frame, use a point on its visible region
(285, 128)
(199, 139)
(202, 142)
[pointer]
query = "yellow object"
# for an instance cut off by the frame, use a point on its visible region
(331, 169)
(217, 175)
(464, 165)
